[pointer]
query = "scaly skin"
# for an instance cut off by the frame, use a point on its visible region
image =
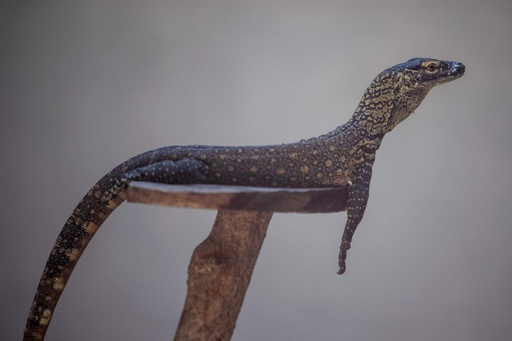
(343, 157)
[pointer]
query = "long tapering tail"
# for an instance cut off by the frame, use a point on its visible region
(81, 226)
(90, 213)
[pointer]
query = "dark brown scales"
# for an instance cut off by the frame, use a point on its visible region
(340, 158)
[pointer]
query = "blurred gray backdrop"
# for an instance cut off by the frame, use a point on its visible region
(86, 85)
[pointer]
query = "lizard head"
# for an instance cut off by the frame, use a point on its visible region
(396, 92)
(425, 73)
(414, 79)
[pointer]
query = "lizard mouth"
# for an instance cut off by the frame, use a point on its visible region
(456, 70)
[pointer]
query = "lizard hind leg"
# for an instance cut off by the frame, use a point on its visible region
(181, 171)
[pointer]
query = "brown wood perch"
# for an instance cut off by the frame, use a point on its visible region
(222, 265)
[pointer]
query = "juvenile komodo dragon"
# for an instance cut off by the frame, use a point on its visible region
(342, 157)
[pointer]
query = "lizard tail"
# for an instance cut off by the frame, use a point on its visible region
(90, 213)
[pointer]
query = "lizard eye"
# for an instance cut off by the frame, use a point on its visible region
(431, 68)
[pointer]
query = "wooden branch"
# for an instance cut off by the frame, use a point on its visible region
(298, 200)
(221, 266)
(219, 273)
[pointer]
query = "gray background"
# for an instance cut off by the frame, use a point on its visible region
(86, 85)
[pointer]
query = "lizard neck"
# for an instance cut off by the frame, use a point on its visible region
(385, 103)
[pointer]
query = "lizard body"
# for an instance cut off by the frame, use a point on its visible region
(342, 157)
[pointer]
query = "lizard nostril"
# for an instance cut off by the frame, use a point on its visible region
(459, 67)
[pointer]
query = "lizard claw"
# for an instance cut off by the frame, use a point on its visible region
(342, 269)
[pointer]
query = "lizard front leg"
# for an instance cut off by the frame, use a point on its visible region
(358, 193)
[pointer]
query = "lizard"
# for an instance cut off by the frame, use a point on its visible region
(342, 157)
